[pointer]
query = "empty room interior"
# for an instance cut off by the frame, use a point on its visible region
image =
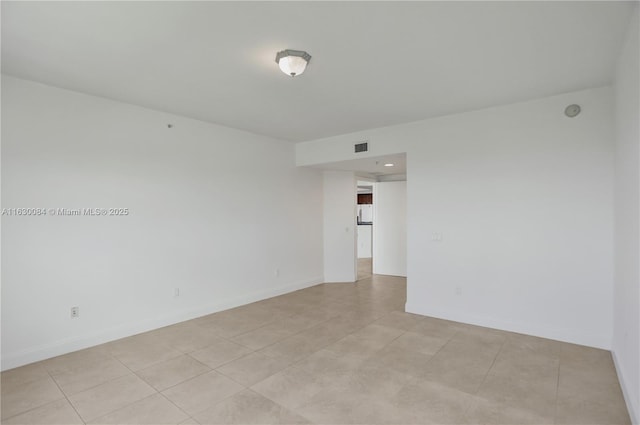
(320, 212)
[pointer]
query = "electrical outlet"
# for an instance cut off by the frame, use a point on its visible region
(458, 290)
(75, 312)
(277, 272)
(176, 292)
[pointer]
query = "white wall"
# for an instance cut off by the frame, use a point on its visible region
(214, 211)
(626, 319)
(390, 228)
(339, 226)
(365, 238)
(523, 198)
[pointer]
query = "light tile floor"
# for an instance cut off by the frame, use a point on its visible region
(365, 268)
(330, 354)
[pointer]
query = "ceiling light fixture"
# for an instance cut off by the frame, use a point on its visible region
(388, 164)
(293, 62)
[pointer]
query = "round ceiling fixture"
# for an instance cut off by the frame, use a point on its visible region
(572, 110)
(293, 62)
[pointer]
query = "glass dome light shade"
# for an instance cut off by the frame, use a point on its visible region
(293, 62)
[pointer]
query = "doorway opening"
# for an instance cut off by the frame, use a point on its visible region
(364, 220)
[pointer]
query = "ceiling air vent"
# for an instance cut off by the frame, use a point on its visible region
(362, 147)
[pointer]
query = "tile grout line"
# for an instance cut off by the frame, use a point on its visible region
(103, 382)
(142, 379)
(298, 361)
(66, 398)
(252, 330)
(111, 380)
(181, 382)
(221, 365)
(491, 367)
(178, 407)
(466, 410)
(295, 334)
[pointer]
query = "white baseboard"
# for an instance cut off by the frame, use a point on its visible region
(559, 334)
(46, 351)
(632, 407)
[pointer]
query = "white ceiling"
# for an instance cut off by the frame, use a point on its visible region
(374, 63)
(371, 167)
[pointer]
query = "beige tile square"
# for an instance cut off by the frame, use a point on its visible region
(86, 375)
(358, 317)
(295, 323)
(328, 365)
(479, 335)
(275, 331)
(294, 348)
(23, 375)
(596, 383)
(378, 333)
(436, 328)
(576, 411)
(312, 311)
(248, 407)
(400, 320)
(371, 380)
(361, 315)
(201, 392)
(140, 352)
(261, 337)
(411, 363)
(471, 349)
(580, 356)
(171, 372)
(259, 312)
(186, 337)
(526, 366)
(533, 348)
(353, 346)
(291, 387)
(56, 413)
(105, 398)
(152, 410)
(489, 412)
(220, 353)
(253, 368)
(329, 332)
(336, 406)
(18, 398)
(228, 325)
(537, 396)
(429, 402)
(77, 360)
(412, 341)
(460, 365)
(519, 344)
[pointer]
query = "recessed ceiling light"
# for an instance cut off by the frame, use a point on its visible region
(293, 62)
(572, 110)
(388, 164)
